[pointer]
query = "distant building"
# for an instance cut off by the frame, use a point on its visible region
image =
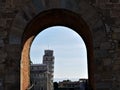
(42, 74)
(39, 76)
(67, 84)
(83, 84)
(73, 85)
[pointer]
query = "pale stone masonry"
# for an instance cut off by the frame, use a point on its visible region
(42, 74)
(40, 79)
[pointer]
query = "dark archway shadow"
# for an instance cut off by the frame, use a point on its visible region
(50, 18)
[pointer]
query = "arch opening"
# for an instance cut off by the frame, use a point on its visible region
(69, 50)
(49, 18)
(69, 63)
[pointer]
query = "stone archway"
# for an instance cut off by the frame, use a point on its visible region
(28, 14)
(49, 18)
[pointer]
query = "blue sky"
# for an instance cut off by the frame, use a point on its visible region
(69, 52)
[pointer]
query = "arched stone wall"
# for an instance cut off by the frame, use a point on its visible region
(16, 14)
(57, 17)
(30, 9)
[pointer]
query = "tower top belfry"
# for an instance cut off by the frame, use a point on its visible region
(48, 52)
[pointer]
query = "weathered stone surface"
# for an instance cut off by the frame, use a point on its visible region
(16, 14)
(105, 45)
(114, 1)
(103, 86)
(3, 20)
(107, 61)
(3, 54)
(116, 36)
(101, 53)
(116, 21)
(1, 43)
(116, 29)
(3, 34)
(2, 66)
(20, 23)
(115, 13)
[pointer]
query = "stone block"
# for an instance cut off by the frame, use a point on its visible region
(15, 35)
(3, 56)
(91, 19)
(114, 1)
(96, 44)
(101, 53)
(116, 67)
(117, 22)
(116, 29)
(105, 45)
(115, 13)
(109, 20)
(73, 5)
(3, 20)
(9, 23)
(83, 9)
(3, 34)
(117, 54)
(116, 36)
(101, 35)
(27, 12)
(93, 1)
(99, 61)
(107, 61)
(102, 1)
(103, 86)
(101, 5)
(97, 77)
(109, 6)
(118, 46)
(107, 77)
(2, 67)
(10, 78)
(116, 5)
(20, 22)
(14, 40)
(106, 12)
(106, 68)
(1, 43)
(117, 61)
(11, 50)
(8, 14)
(9, 4)
(111, 51)
(18, 31)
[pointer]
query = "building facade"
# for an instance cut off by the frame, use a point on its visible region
(39, 77)
(42, 74)
(81, 84)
